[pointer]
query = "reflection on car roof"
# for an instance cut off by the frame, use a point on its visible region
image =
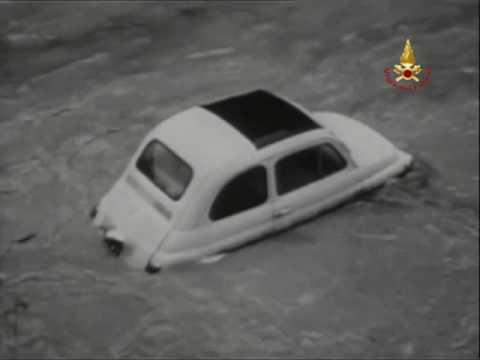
(262, 117)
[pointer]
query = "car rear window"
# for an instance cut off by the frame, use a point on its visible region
(165, 169)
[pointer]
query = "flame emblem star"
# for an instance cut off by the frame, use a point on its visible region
(408, 69)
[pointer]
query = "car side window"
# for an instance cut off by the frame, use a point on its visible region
(244, 192)
(307, 166)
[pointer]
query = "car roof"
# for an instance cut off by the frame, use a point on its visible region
(261, 117)
(229, 134)
(204, 141)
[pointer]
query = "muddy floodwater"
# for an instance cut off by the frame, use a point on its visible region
(390, 274)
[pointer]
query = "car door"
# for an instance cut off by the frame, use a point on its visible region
(241, 210)
(310, 179)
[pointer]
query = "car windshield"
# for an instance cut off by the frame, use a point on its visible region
(165, 169)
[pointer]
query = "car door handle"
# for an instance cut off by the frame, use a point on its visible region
(282, 212)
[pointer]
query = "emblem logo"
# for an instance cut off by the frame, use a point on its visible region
(409, 75)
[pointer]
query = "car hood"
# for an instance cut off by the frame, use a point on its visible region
(126, 214)
(367, 147)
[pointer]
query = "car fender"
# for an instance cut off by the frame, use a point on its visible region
(368, 148)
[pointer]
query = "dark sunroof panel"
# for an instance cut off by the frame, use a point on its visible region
(262, 117)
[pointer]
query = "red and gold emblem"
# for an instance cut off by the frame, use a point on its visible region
(408, 70)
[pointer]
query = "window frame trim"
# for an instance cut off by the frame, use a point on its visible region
(151, 182)
(231, 178)
(337, 145)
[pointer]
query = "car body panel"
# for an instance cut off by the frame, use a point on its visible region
(233, 231)
(303, 202)
(356, 136)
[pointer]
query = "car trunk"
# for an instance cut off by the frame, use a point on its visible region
(133, 218)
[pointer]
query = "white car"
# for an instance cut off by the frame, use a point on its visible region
(216, 176)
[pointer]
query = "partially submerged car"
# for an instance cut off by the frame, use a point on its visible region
(220, 175)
